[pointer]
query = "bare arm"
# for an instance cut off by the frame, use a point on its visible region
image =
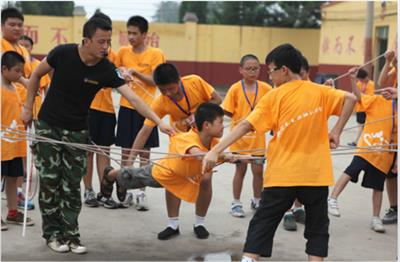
(211, 158)
(32, 89)
(139, 143)
(147, 79)
(215, 98)
(386, 79)
(355, 89)
(144, 109)
(347, 110)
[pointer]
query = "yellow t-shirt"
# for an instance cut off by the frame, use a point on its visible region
(378, 133)
(7, 46)
(240, 104)
(182, 176)
(197, 90)
(103, 100)
(145, 63)
(11, 118)
(365, 88)
(297, 112)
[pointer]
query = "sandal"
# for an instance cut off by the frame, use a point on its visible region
(106, 187)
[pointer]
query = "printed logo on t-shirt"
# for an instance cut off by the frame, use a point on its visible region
(375, 139)
(90, 81)
(119, 73)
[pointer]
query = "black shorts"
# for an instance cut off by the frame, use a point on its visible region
(390, 174)
(101, 127)
(373, 177)
(13, 168)
(275, 201)
(129, 124)
(360, 117)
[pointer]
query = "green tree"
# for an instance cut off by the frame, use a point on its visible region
(167, 12)
(53, 8)
(197, 7)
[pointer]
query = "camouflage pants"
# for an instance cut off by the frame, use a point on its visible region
(60, 169)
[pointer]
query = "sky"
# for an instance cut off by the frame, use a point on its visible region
(121, 9)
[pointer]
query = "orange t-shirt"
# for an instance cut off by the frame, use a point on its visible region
(197, 90)
(103, 100)
(7, 46)
(44, 83)
(378, 133)
(11, 118)
(182, 175)
(145, 63)
(365, 88)
(297, 112)
(240, 104)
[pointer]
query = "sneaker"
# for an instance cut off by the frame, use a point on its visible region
(377, 225)
(168, 233)
(289, 223)
(390, 217)
(76, 246)
(4, 226)
(333, 207)
(18, 219)
(237, 210)
(299, 215)
(58, 246)
(201, 232)
(90, 198)
(21, 204)
(254, 205)
(352, 144)
(128, 201)
(106, 202)
(141, 202)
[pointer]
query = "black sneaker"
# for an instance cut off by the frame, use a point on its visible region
(168, 233)
(90, 198)
(390, 217)
(300, 216)
(107, 202)
(201, 232)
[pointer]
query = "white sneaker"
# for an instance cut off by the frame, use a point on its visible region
(237, 210)
(57, 246)
(76, 247)
(333, 207)
(377, 225)
(141, 202)
(127, 201)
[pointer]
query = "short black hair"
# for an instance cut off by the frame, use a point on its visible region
(166, 74)
(27, 38)
(103, 16)
(248, 57)
(362, 73)
(140, 22)
(304, 64)
(10, 12)
(207, 112)
(285, 55)
(91, 25)
(10, 59)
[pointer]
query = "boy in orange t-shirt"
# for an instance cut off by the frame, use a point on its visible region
(13, 147)
(240, 100)
(137, 61)
(299, 164)
(381, 133)
(180, 176)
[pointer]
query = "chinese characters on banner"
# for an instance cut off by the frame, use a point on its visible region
(58, 34)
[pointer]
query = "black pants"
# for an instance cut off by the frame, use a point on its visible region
(275, 201)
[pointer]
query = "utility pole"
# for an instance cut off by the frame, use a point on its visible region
(368, 35)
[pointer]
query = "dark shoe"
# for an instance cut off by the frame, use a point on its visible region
(299, 216)
(390, 217)
(289, 223)
(106, 202)
(352, 144)
(106, 186)
(90, 198)
(168, 233)
(201, 232)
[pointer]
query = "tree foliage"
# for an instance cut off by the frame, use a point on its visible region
(167, 12)
(53, 8)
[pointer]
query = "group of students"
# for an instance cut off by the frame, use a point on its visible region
(78, 108)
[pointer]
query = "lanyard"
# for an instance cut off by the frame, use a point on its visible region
(188, 113)
(394, 107)
(247, 98)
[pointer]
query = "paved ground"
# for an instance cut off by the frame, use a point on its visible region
(127, 234)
